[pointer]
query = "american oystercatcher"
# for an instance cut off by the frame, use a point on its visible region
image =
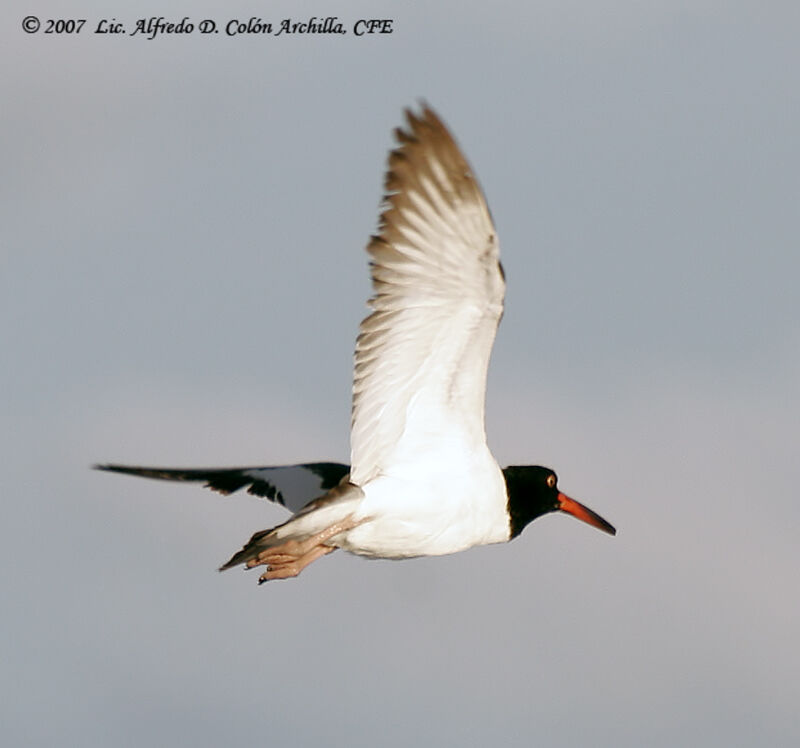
(422, 481)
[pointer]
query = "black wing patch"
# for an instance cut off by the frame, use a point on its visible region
(292, 486)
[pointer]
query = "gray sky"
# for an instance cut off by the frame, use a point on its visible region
(181, 277)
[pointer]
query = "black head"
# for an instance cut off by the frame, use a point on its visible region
(533, 491)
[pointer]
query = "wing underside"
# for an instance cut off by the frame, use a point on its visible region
(438, 298)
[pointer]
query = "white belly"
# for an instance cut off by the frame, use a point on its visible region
(422, 510)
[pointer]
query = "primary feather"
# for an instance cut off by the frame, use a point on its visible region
(292, 486)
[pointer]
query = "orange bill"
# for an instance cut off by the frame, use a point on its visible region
(578, 510)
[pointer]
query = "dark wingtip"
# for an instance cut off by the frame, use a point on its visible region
(112, 468)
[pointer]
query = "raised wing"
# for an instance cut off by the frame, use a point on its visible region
(292, 486)
(423, 353)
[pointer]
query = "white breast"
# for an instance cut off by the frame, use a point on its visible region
(443, 500)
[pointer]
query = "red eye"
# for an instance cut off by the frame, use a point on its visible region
(551, 481)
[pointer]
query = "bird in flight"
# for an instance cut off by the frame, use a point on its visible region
(422, 481)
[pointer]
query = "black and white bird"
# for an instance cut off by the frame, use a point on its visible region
(422, 481)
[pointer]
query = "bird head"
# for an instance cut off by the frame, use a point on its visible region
(533, 491)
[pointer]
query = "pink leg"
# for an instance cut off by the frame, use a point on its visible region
(293, 568)
(289, 558)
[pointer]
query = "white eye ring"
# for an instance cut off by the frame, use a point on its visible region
(551, 481)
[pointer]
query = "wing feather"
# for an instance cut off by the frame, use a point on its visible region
(438, 298)
(292, 486)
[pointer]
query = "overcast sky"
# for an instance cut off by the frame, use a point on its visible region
(182, 223)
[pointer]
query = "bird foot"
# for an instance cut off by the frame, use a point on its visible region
(290, 558)
(283, 566)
